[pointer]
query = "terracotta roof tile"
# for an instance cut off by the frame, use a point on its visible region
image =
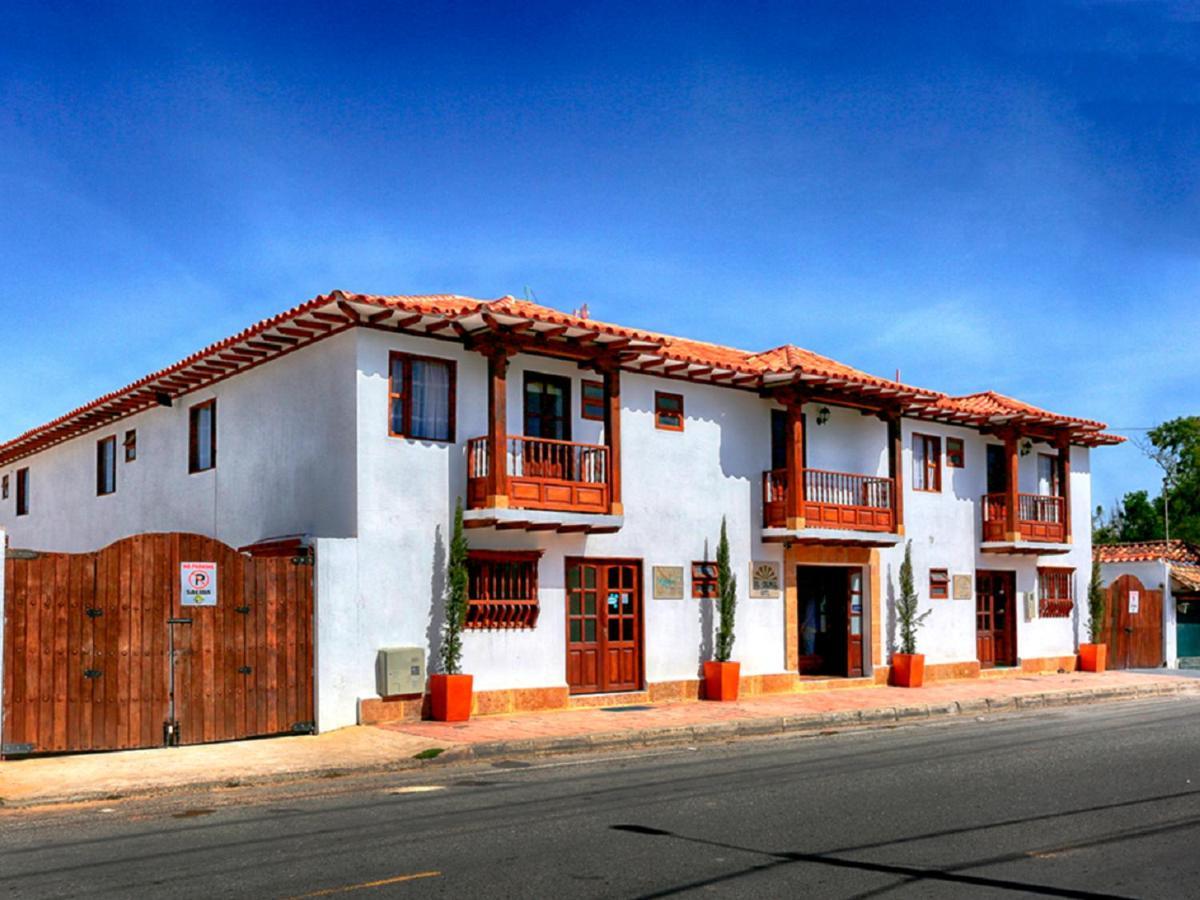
(1147, 551)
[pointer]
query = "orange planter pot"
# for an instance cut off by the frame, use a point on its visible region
(450, 697)
(1093, 657)
(721, 680)
(908, 670)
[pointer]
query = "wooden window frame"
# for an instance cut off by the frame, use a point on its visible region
(4, 487)
(404, 395)
(939, 584)
(1059, 602)
(1055, 487)
(547, 378)
(952, 455)
(130, 445)
(108, 444)
(23, 491)
(704, 584)
(503, 613)
(659, 396)
(932, 465)
(194, 467)
(586, 384)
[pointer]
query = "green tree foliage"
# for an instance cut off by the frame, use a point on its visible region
(1175, 447)
(726, 598)
(456, 597)
(1096, 605)
(907, 615)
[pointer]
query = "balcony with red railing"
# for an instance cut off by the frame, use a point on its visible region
(543, 474)
(833, 500)
(1040, 519)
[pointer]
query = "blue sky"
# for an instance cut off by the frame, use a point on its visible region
(985, 196)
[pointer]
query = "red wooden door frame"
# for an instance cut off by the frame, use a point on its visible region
(601, 682)
(995, 588)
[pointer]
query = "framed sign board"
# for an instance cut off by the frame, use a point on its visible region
(667, 582)
(764, 580)
(962, 587)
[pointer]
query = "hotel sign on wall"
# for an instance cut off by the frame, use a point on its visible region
(197, 584)
(764, 580)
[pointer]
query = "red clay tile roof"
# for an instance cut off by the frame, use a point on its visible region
(1147, 551)
(1187, 576)
(464, 318)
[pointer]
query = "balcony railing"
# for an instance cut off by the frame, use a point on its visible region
(1038, 518)
(543, 474)
(832, 500)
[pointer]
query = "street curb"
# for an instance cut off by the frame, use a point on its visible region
(667, 736)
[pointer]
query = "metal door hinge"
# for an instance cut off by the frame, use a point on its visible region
(15, 749)
(302, 560)
(304, 728)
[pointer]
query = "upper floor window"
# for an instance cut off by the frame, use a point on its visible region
(591, 401)
(956, 457)
(202, 437)
(4, 488)
(547, 406)
(421, 397)
(927, 463)
(106, 466)
(130, 445)
(1047, 475)
(22, 492)
(668, 411)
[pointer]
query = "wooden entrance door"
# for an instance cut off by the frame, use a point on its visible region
(1135, 618)
(995, 618)
(604, 625)
(830, 619)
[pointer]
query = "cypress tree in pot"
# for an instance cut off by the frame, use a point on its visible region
(721, 675)
(450, 690)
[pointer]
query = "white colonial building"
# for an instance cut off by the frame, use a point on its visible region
(595, 463)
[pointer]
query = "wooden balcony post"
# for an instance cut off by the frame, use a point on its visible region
(612, 436)
(795, 465)
(497, 438)
(1012, 528)
(896, 469)
(1064, 483)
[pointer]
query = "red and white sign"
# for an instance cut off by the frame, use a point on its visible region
(198, 584)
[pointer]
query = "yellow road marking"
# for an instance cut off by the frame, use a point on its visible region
(383, 882)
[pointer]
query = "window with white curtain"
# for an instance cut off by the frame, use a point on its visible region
(421, 397)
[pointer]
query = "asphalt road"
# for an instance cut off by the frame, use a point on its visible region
(1082, 802)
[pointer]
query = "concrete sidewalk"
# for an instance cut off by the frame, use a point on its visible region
(397, 746)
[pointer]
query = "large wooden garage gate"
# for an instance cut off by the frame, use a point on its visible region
(87, 637)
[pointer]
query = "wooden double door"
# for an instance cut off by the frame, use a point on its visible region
(995, 618)
(604, 625)
(830, 618)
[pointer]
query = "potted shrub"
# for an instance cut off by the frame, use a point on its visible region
(450, 690)
(1093, 657)
(908, 666)
(720, 675)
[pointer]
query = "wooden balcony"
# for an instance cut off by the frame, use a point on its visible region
(543, 474)
(833, 500)
(1039, 519)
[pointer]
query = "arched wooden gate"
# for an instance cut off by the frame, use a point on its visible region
(87, 638)
(1135, 616)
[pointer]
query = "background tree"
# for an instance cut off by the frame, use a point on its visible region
(456, 597)
(907, 615)
(726, 598)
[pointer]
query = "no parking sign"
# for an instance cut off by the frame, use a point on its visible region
(198, 584)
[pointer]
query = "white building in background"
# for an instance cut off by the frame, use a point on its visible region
(596, 463)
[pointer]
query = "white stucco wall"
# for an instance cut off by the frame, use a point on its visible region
(285, 464)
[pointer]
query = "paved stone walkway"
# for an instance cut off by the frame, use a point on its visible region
(395, 746)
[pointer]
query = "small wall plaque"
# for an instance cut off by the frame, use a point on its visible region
(962, 587)
(668, 582)
(764, 579)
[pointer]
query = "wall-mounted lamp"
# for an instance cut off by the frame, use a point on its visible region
(1026, 447)
(822, 415)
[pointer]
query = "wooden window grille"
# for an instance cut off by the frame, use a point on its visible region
(591, 401)
(106, 466)
(502, 589)
(130, 445)
(955, 453)
(1056, 593)
(927, 463)
(22, 492)
(939, 584)
(668, 411)
(704, 580)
